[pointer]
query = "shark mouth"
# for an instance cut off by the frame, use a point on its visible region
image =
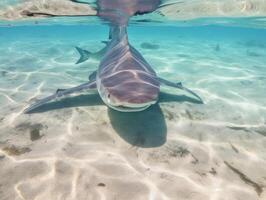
(127, 106)
(131, 107)
(128, 101)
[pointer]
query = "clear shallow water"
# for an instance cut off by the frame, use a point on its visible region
(77, 148)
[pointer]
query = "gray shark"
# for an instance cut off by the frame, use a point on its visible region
(124, 80)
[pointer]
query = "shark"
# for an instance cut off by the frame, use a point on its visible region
(85, 54)
(125, 81)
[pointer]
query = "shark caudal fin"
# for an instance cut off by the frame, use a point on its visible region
(84, 55)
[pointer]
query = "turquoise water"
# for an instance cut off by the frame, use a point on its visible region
(77, 148)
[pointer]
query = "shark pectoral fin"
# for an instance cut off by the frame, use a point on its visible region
(193, 93)
(92, 76)
(84, 55)
(170, 84)
(179, 86)
(61, 93)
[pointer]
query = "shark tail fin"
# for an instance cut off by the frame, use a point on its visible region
(84, 55)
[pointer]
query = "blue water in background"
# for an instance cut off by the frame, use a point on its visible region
(99, 32)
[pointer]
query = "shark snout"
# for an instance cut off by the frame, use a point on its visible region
(133, 95)
(132, 99)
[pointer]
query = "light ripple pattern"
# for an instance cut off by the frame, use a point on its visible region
(77, 148)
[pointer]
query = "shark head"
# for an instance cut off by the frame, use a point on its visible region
(129, 91)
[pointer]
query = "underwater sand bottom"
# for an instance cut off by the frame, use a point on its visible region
(95, 153)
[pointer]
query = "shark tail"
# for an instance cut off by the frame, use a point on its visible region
(84, 55)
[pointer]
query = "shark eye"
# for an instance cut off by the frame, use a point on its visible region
(109, 96)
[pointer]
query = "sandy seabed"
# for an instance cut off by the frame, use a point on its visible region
(77, 148)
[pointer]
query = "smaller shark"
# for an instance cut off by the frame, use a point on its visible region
(85, 55)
